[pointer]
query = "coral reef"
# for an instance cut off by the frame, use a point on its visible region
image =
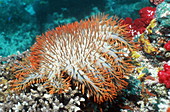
(99, 64)
(155, 37)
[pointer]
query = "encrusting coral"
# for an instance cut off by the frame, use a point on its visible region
(94, 55)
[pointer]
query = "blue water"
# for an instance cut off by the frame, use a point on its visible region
(22, 20)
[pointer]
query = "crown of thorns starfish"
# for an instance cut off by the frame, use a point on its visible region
(93, 55)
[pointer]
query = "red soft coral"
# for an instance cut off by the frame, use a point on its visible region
(147, 12)
(167, 46)
(139, 25)
(164, 75)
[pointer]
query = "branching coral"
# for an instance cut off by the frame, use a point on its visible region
(94, 55)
